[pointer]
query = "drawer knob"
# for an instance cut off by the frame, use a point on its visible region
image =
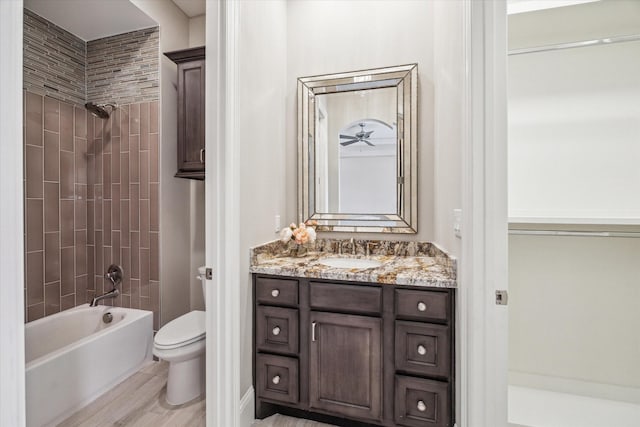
(422, 350)
(275, 293)
(276, 330)
(276, 379)
(422, 306)
(421, 406)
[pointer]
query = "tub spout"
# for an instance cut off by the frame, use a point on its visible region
(111, 294)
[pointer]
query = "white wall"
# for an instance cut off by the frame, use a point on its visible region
(196, 243)
(261, 141)
(573, 308)
(573, 129)
(604, 18)
(333, 36)
(368, 182)
(175, 263)
(197, 31)
(573, 152)
(573, 114)
(449, 80)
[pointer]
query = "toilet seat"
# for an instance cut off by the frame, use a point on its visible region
(182, 331)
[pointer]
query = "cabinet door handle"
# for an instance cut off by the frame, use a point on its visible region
(276, 379)
(275, 293)
(313, 331)
(202, 155)
(422, 306)
(421, 406)
(276, 330)
(422, 350)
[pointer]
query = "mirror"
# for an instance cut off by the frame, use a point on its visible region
(357, 150)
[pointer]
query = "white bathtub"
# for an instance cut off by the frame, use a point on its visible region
(73, 357)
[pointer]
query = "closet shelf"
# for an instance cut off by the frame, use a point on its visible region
(574, 221)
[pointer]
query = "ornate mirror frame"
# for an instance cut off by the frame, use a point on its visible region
(404, 79)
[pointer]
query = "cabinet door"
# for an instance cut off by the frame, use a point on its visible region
(191, 97)
(345, 366)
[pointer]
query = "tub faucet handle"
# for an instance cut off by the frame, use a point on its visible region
(115, 274)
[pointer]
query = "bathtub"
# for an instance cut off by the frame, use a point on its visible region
(73, 357)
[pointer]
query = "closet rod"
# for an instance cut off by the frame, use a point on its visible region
(629, 234)
(571, 45)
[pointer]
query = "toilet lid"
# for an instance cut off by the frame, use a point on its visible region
(184, 330)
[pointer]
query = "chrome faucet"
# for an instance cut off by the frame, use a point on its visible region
(111, 294)
(351, 243)
(114, 274)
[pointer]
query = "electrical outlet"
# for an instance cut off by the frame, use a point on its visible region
(457, 222)
(277, 223)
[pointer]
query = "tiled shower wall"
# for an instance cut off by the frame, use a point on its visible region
(124, 69)
(120, 69)
(123, 205)
(92, 199)
(91, 185)
(54, 60)
(55, 205)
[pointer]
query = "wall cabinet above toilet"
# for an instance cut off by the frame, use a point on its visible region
(191, 118)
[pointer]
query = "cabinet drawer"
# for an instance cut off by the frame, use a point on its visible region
(277, 329)
(423, 349)
(277, 291)
(422, 305)
(347, 298)
(277, 378)
(420, 402)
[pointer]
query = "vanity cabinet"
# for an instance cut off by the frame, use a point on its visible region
(191, 118)
(345, 365)
(354, 354)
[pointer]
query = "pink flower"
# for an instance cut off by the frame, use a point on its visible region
(302, 233)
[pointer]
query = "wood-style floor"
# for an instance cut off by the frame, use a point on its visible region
(139, 401)
(278, 420)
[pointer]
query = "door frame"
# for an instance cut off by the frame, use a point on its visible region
(222, 226)
(482, 343)
(12, 381)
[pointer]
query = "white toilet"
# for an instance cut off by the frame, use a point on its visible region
(181, 342)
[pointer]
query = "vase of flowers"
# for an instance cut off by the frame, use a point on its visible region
(299, 237)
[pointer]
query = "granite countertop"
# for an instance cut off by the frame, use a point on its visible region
(403, 263)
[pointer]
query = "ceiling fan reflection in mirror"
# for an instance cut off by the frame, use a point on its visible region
(361, 136)
(372, 132)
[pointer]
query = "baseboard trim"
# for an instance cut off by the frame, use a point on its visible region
(247, 408)
(577, 387)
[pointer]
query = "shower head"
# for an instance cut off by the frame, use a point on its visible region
(99, 110)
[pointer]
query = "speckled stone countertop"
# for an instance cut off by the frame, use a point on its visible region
(403, 263)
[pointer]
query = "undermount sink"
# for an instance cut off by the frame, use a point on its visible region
(350, 263)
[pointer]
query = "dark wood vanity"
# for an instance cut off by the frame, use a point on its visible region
(353, 353)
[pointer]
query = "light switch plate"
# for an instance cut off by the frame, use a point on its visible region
(277, 223)
(457, 222)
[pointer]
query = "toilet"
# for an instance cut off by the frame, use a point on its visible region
(181, 342)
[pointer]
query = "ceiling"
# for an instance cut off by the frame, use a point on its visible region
(92, 19)
(191, 8)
